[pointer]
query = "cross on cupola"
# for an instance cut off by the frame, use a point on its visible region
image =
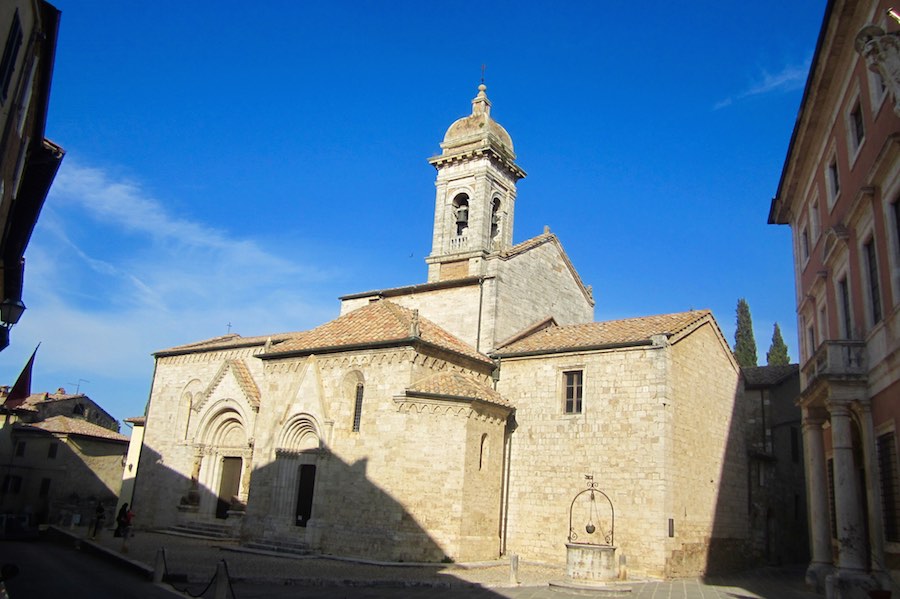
(476, 193)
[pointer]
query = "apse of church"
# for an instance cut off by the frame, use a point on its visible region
(455, 418)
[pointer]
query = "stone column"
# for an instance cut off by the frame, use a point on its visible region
(821, 563)
(873, 490)
(850, 529)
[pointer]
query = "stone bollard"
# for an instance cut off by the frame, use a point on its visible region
(159, 565)
(514, 569)
(221, 590)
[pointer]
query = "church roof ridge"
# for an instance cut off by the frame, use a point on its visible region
(232, 340)
(611, 333)
(379, 324)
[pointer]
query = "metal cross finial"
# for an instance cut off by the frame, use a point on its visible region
(482, 74)
(229, 327)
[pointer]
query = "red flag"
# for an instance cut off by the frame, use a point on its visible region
(22, 389)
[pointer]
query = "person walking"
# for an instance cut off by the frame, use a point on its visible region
(99, 516)
(126, 529)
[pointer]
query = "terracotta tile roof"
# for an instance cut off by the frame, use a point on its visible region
(456, 384)
(611, 332)
(379, 322)
(63, 425)
(766, 376)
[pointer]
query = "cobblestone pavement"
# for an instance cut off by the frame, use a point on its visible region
(258, 576)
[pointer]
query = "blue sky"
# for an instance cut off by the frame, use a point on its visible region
(247, 163)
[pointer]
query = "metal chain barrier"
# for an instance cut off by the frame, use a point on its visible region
(220, 583)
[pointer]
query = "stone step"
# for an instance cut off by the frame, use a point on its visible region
(203, 529)
(279, 546)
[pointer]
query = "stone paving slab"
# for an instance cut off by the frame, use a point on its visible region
(258, 575)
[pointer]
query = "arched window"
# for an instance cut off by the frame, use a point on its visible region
(461, 213)
(483, 455)
(495, 218)
(357, 408)
(78, 410)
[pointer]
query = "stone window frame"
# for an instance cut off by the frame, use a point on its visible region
(855, 125)
(832, 171)
(815, 220)
(844, 301)
(874, 304)
(563, 389)
(891, 214)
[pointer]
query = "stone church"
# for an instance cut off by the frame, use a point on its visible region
(457, 419)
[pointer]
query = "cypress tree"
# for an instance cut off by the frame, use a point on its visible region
(744, 343)
(778, 353)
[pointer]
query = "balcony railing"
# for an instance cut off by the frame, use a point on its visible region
(837, 359)
(458, 243)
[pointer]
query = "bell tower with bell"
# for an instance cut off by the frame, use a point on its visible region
(476, 194)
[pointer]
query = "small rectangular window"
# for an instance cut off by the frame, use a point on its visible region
(811, 339)
(20, 449)
(874, 287)
(574, 391)
(857, 129)
(815, 221)
(10, 54)
(45, 487)
(357, 408)
(804, 245)
(844, 299)
(51, 452)
(12, 484)
(834, 181)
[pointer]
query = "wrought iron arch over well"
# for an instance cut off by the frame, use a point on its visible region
(585, 503)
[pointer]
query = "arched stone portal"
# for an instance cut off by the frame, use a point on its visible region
(296, 462)
(224, 455)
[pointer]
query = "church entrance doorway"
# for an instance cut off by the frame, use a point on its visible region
(307, 481)
(229, 485)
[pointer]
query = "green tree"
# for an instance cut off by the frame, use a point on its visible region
(744, 343)
(777, 354)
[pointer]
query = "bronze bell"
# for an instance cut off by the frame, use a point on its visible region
(590, 528)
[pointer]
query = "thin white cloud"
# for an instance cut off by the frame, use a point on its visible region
(156, 280)
(789, 78)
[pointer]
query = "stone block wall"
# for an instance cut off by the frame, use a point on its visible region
(619, 438)
(532, 286)
(186, 396)
(709, 504)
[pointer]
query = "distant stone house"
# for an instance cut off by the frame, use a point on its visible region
(457, 419)
(60, 454)
(777, 490)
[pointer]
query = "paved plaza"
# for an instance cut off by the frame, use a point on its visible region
(192, 563)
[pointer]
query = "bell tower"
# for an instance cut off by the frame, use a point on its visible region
(476, 194)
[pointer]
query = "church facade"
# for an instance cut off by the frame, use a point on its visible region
(458, 418)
